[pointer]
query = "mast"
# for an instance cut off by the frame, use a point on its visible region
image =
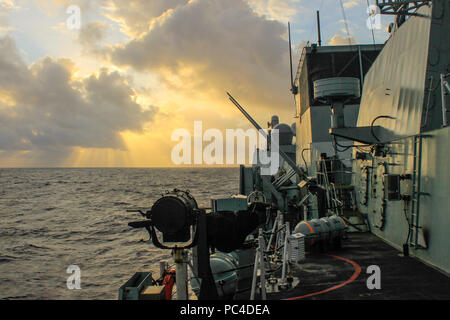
(319, 37)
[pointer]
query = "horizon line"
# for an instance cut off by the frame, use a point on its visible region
(135, 167)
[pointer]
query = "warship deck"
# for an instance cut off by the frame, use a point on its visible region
(342, 274)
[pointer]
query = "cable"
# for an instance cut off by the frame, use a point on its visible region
(236, 269)
(346, 24)
(303, 157)
(361, 148)
(371, 125)
(336, 145)
(355, 275)
(407, 220)
(351, 146)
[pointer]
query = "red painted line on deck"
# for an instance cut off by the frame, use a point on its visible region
(350, 280)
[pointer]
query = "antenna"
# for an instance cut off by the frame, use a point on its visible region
(294, 89)
(318, 29)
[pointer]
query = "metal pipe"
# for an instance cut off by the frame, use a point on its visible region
(444, 106)
(318, 29)
(293, 87)
(279, 227)
(255, 275)
(262, 279)
(283, 272)
(275, 225)
(181, 274)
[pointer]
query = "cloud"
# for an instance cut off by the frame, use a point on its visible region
(6, 7)
(7, 4)
(338, 40)
(136, 16)
(351, 4)
(46, 109)
(91, 34)
(280, 10)
(53, 7)
(91, 37)
(211, 46)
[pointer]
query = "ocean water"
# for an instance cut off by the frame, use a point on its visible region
(53, 218)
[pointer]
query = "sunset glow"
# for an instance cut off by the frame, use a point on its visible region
(111, 93)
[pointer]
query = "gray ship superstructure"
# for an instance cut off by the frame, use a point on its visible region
(400, 169)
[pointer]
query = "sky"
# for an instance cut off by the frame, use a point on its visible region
(105, 83)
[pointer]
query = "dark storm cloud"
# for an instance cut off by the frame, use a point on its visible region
(225, 45)
(43, 107)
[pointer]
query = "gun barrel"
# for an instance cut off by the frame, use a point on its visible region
(286, 158)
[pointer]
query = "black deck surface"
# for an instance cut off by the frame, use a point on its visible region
(402, 278)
